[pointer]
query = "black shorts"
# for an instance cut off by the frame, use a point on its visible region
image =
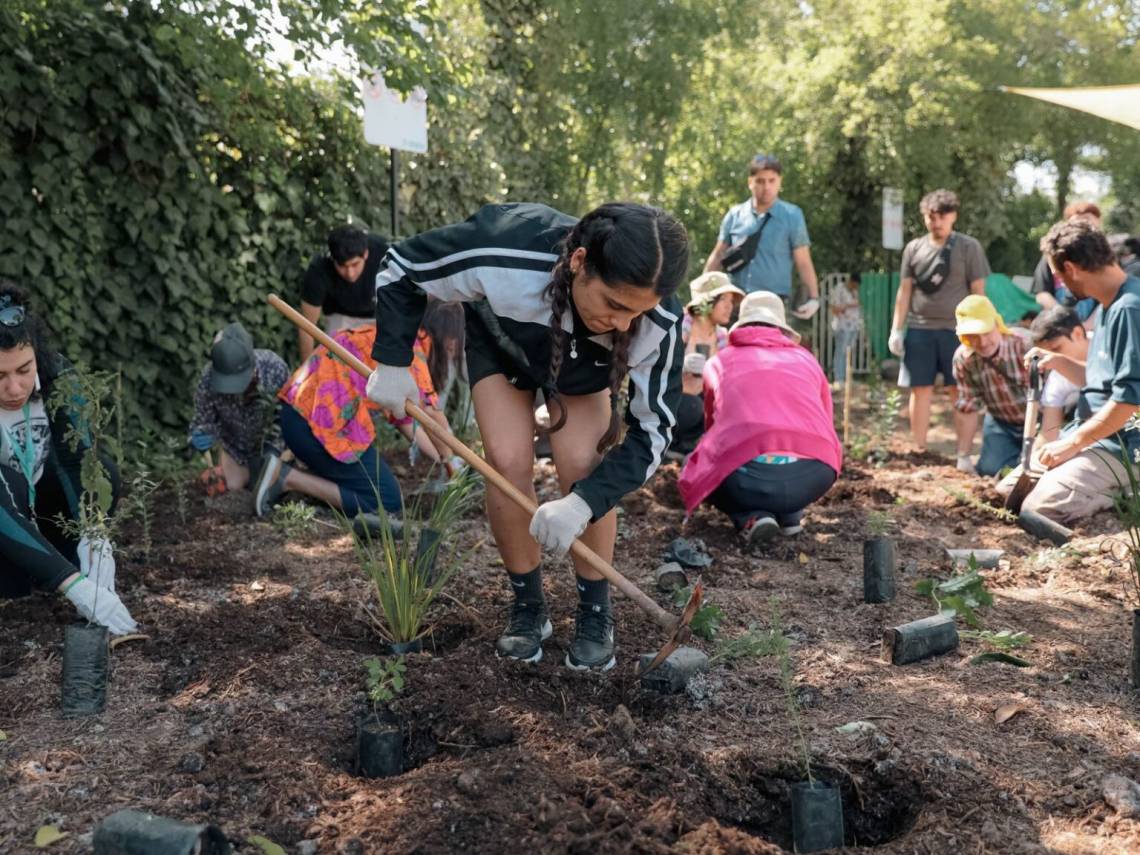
(585, 375)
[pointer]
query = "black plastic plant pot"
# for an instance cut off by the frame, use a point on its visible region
(920, 639)
(428, 545)
(132, 832)
(1136, 649)
(86, 665)
(817, 816)
(380, 747)
(1044, 528)
(879, 564)
(399, 648)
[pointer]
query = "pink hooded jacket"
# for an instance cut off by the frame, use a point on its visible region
(763, 394)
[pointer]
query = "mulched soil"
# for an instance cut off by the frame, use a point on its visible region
(242, 707)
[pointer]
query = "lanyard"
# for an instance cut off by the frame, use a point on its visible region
(27, 454)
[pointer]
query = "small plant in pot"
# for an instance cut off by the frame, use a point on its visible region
(85, 397)
(879, 559)
(408, 580)
(380, 740)
(817, 806)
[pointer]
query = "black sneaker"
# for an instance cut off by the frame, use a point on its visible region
(269, 484)
(528, 627)
(593, 644)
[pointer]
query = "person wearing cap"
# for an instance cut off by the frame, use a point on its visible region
(712, 300)
(235, 403)
(691, 410)
(1082, 471)
(989, 368)
(342, 284)
(763, 457)
(782, 243)
(42, 461)
(939, 270)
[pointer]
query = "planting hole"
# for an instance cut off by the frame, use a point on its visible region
(882, 808)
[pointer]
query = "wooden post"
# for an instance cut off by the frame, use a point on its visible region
(846, 394)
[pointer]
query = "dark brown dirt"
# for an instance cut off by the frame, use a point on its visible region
(241, 708)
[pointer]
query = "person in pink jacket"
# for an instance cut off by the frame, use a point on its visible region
(769, 448)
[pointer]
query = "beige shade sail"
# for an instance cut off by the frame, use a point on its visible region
(1115, 103)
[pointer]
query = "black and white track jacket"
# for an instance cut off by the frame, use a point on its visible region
(504, 254)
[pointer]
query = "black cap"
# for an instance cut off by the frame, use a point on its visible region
(232, 359)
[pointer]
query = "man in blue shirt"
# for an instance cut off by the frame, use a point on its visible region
(1083, 470)
(783, 239)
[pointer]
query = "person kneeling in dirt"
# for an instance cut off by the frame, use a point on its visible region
(1061, 332)
(579, 309)
(40, 478)
(770, 447)
(327, 422)
(1081, 472)
(989, 368)
(235, 404)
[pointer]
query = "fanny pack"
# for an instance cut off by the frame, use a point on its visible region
(737, 257)
(931, 279)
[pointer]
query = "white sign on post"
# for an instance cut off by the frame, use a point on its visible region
(392, 121)
(892, 218)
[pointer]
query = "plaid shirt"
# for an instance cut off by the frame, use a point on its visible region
(999, 383)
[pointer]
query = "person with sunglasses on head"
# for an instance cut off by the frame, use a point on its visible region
(583, 310)
(40, 478)
(764, 237)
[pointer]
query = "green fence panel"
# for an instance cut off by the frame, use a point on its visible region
(877, 298)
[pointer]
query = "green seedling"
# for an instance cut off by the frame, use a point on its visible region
(295, 519)
(787, 683)
(879, 523)
(385, 679)
(708, 617)
(1001, 513)
(754, 643)
(960, 595)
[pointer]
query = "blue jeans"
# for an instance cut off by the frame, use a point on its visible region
(1001, 445)
(843, 340)
(364, 484)
(781, 490)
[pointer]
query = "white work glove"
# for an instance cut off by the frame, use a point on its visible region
(391, 385)
(97, 561)
(965, 464)
(895, 343)
(101, 606)
(806, 310)
(556, 524)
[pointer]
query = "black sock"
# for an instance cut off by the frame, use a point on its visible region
(594, 592)
(527, 586)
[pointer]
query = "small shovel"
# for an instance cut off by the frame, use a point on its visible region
(678, 628)
(1026, 481)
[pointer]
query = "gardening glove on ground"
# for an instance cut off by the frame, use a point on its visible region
(895, 343)
(101, 606)
(97, 561)
(965, 464)
(391, 385)
(806, 310)
(556, 524)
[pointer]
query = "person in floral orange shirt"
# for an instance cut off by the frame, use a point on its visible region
(328, 425)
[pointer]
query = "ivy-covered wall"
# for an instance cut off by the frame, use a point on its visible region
(154, 185)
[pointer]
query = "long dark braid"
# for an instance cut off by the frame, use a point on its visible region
(624, 245)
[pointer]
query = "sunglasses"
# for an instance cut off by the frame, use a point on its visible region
(12, 316)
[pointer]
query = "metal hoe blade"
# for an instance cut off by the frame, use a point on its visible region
(681, 634)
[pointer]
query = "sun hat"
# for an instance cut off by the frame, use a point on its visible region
(709, 286)
(977, 316)
(764, 307)
(694, 363)
(231, 358)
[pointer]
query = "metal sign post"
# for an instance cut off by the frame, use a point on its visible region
(398, 123)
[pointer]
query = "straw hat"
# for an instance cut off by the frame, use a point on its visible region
(709, 286)
(764, 307)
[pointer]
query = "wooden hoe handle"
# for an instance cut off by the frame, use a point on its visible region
(439, 434)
